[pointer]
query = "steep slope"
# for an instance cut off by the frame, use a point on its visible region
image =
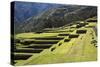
(56, 17)
(24, 10)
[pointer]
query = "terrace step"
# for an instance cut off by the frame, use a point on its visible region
(22, 56)
(45, 41)
(91, 20)
(49, 38)
(29, 50)
(39, 46)
(81, 31)
(27, 42)
(63, 34)
(54, 31)
(73, 36)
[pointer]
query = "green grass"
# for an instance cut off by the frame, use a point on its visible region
(32, 35)
(76, 50)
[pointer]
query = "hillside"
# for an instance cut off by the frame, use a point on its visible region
(74, 43)
(56, 17)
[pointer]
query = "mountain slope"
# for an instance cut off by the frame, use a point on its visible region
(56, 17)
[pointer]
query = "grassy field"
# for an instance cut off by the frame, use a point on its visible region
(70, 47)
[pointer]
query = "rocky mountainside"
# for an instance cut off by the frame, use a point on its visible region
(56, 17)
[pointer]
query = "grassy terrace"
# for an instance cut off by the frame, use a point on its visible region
(67, 44)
